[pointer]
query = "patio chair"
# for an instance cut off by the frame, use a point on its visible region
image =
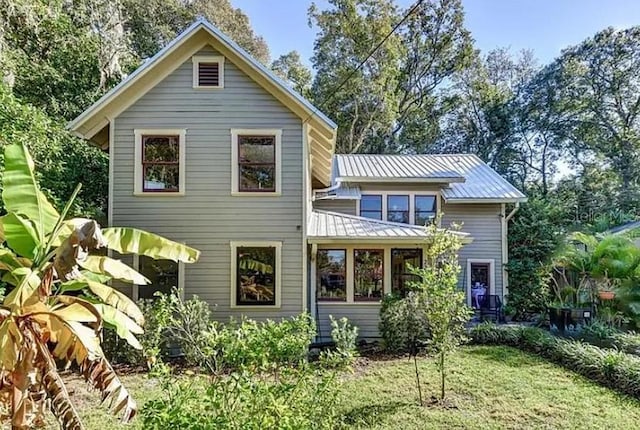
(491, 306)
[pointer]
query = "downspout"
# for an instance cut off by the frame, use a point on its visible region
(505, 247)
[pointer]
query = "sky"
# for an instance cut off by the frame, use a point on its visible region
(545, 26)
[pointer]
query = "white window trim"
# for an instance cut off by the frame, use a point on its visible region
(136, 288)
(234, 272)
(197, 59)
(235, 186)
(412, 201)
(492, 275)
(137, 174)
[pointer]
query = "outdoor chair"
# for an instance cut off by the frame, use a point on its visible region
(491, 306)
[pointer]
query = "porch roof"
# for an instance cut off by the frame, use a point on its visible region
(327, 226)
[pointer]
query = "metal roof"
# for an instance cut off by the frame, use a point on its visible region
(469, 178)
(338, 193)
(324, 225)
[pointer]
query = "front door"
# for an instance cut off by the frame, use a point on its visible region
(481, 279)
(400, 274)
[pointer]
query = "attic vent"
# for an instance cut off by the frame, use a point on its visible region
(208, 75)
(208, 72)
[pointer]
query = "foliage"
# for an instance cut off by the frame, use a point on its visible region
(400, 325)
(607, 336)
(62, 160)
(344, 336)
(535, 233)
(609, 367)
(290, 68)
(55, 310)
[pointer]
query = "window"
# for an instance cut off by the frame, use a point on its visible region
(371, 206)
(163, 275)
(208, 72)
(255, 274)
(332, 267)
(368, 274)
(256, 162)
(159, 162)
(401, 277)
(425, 209)
(398, 209)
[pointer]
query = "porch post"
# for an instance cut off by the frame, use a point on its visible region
(312, 282)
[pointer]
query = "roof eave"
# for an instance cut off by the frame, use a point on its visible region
(371, 179)
(485, 200)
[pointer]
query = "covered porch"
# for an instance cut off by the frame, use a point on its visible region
(355, 261)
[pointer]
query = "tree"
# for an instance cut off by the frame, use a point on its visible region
(290, 68)
(441, 301)
(55, 310)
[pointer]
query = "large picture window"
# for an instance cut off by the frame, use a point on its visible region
(425, 209)
(256, 273)
(163, 275)
(256, 162)
(159, 162)
(332, 267)
(368, 268)
(371, 206)
(398, 209)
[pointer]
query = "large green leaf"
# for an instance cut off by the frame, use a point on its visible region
(113, 268)
(27, 282)
(21, 193)
(134, 241)
(125, 327)
(20, 234)
(9, 261)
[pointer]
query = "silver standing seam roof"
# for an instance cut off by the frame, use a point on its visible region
(325, 225)
(465, 177)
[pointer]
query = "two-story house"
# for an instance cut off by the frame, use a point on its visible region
(208, 147)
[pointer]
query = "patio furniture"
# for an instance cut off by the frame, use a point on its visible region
(491, 306)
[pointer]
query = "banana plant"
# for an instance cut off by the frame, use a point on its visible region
(60, 299)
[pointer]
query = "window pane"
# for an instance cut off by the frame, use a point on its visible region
(401, 277)
(425, 211)
(257, 178)
(163, 275)
(372, 215)
(160, 149)
(398, 209)
(479, 282)
(332, 284)
(371, 203)
(368, 274)
(256, 276)
(161, 177)
(257, 149)
(424, 218)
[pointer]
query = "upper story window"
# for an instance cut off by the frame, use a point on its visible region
(398, 209)
(208, 71)
(426, 208)
(159, 162)
(371, 206)
(256, 162)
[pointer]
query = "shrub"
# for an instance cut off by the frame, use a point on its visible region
(395, 324)
(344, 336)
(609, 367)
(604, 335)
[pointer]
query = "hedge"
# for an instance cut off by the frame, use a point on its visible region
(609, 367)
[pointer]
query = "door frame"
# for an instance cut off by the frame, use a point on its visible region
(492, 275)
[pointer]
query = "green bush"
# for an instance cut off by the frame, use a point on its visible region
(396, 323)
(344, 336)
(609, 367)
(606, 336)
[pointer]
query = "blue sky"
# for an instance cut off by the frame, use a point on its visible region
(546, 26)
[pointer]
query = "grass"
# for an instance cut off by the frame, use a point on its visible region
(489, 388)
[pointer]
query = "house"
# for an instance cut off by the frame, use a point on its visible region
(209, 148)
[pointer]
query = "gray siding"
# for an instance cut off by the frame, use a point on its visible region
(208, 217)
(344, 206)
(365, 317)
(482, 221)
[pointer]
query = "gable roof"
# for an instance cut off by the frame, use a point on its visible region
(320, 130)
(469, 178)
(332, 226)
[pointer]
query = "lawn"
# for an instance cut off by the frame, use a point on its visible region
(490, 388)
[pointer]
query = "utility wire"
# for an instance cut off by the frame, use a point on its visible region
(373, 51)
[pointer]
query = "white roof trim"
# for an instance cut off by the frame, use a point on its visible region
(175, 44)
(432, 180)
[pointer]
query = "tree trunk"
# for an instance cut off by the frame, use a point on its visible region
(442, 376)
(415, 363)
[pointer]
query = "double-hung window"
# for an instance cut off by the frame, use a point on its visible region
(371, 206)
(159, 162)
(425, 209)
(398, 208)
(256, 162)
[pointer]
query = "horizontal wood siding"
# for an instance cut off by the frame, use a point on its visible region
(344, 206)
(482, 221)
(365, 317)
(208, 217)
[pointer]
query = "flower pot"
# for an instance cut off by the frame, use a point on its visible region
(606, 295)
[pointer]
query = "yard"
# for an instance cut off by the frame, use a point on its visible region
(489, 387)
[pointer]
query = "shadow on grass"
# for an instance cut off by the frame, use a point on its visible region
(369, 415)
(507, 355)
